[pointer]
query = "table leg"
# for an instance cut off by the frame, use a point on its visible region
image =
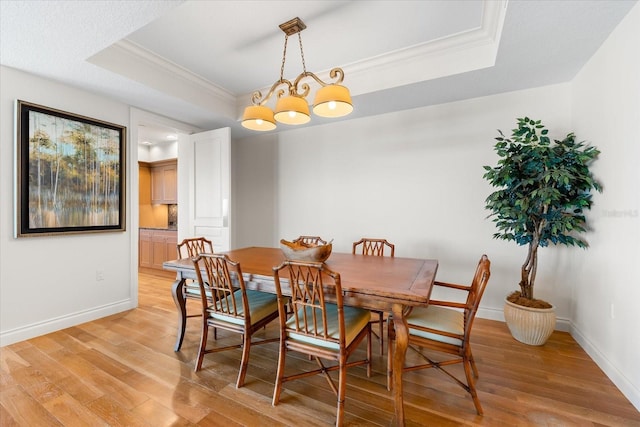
(177, 290)
(401, 343)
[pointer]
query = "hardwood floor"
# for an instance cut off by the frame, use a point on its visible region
(122, 371)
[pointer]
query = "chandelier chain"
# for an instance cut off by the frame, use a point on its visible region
(292, 107)
(304, 66)
(284, 57)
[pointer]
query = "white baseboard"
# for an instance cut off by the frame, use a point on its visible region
(66, 321)
(618, 378)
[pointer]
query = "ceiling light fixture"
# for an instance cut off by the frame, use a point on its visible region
(332, 99)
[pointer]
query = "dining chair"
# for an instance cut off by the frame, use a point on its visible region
(311, 240)
(228, 305)
(317, 327)
(190, 248)
(375, 247)
(194, 246)
(445, 327)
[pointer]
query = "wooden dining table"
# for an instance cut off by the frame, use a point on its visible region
(390, 284)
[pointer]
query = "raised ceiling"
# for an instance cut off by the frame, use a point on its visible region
(198, 61)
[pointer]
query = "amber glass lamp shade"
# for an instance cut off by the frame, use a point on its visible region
(332, 101)
(292, 110)
(258, 117)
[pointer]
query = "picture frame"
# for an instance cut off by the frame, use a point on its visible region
(69, 173)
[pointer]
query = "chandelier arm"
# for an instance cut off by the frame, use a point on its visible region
(257, 99)
(336, 73)
(302, 91)
(332, 99)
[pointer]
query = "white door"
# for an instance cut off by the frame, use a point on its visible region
(204, 187)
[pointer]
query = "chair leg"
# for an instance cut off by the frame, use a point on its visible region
(389, 356)
(279, 375)
(244, 363)
(381, 329)
(203, 344)
(380, 332)
(471, 384)
(369, 363)
(342, 383)
(473, 364)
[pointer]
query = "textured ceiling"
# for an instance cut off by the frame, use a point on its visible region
(198, 61)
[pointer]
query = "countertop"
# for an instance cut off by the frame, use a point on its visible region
(159, 228)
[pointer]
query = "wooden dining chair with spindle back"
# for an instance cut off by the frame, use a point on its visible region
(321, 329)
(375, 247)
(444, 327)
(194, 246)
(190, 248)
(228, 305)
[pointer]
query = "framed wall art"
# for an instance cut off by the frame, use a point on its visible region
(70, 173)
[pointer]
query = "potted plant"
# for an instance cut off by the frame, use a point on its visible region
(543, 189)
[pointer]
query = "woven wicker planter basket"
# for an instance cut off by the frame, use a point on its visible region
(528, 325)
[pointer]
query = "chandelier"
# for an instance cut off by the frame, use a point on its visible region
(331, 100)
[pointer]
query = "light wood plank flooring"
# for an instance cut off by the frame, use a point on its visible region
(122, 371)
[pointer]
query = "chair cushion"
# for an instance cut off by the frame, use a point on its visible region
(440, 318)
(355, 319)
(261, 304)
(192, 289)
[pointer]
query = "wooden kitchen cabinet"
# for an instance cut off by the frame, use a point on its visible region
(164, 182)
(144, 183)
(156, 247)
(145, 254)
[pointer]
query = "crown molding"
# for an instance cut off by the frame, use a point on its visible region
(133, 61)
(458, 53)
(463, 52)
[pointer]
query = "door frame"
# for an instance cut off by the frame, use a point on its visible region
(136, 118)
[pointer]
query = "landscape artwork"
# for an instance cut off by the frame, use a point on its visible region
(70, 173)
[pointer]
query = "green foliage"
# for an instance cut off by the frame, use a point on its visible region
(543, 189)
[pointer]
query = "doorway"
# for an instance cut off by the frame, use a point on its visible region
(148, 127)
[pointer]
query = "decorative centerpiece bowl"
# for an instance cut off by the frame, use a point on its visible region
(299, 251)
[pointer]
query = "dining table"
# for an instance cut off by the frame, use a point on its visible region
(389, 284)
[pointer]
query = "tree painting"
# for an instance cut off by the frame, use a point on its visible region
(73, 173)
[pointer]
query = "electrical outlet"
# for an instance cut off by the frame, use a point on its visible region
(611, 312)
(99, 275)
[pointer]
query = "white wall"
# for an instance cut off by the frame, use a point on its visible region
(47, 283)
(253, 186)
(606, 109)
(414, 178)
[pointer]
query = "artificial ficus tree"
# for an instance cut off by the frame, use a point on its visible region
(543, 190)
